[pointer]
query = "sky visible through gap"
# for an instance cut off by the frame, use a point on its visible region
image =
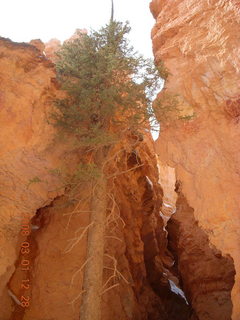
(24, 20)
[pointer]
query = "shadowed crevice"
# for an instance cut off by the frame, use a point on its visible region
(207, 276)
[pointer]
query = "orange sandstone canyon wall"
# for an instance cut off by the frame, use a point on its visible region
(182, 234)
(27, 149)
(199, 44)
(31, 190)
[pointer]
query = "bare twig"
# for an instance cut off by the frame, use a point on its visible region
(113, 157)
(119, 151)
(115, 285)
(81, 201)
(109, 279)
(76, 298)
(113, 216)
(125, 171)
(76, 240)
(79, 270)
(115, 270)
(113, 237)
(84, 200)
(77, 211)
(119, 274)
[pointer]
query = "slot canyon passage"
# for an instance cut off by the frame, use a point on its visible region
(172, 239)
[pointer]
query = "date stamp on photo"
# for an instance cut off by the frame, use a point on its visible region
(25, 262)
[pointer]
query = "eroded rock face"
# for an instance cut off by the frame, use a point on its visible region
(207, 276)
(38, 44)
(28, 152)
(198, 44)
(30, 157)
(135, 251)
(51, 47)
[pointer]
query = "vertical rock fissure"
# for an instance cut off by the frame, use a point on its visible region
(158, 261)
(20, 284)
(207, 277)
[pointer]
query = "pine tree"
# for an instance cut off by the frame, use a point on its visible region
(108, 86)
(108, 93)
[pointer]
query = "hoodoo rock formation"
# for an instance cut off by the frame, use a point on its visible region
(199, 44)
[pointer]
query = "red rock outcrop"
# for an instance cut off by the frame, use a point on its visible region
(135, 245)
(199, 140)
(28, 151)
(38, 44)
(51, 47)
(199, 44)
(207, 276)
(30, 157)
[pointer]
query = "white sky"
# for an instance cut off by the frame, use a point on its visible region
(23, 20)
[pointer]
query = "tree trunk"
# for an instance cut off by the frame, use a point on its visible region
(92, 282)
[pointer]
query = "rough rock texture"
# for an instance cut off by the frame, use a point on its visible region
(38, 44)
(28, 152)
(135, 241)
(167, 180)
(206, 275)
(51, 47)
(198, 42)
(31, 188)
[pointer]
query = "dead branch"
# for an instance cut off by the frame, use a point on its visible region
(76, 240)
(113, 157)
(76, 298)
(112, 258)
(81, 201)
(125, 171)
(115, 285)
(115, 270)
(119, 274)
(75, 209)
(109, 279)
(79, 270)
(113, 216)
(119, 151)
(113, 237)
